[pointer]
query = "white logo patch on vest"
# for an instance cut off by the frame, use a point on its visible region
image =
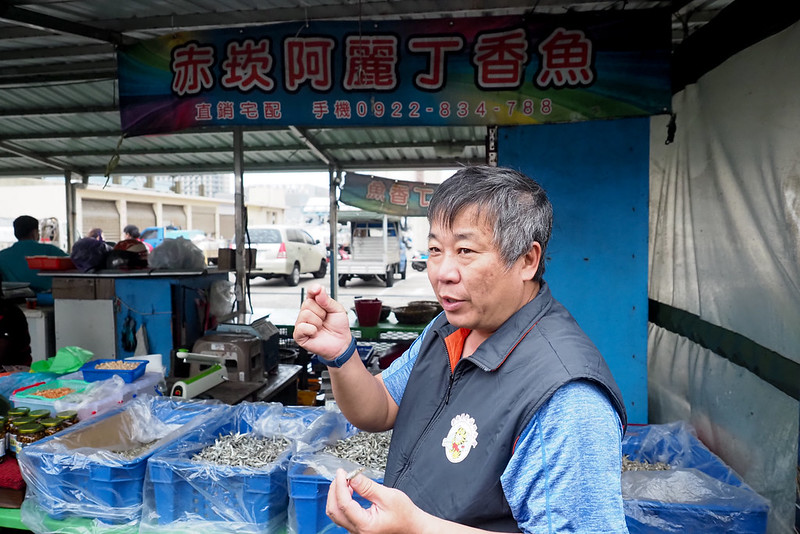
(463, 436)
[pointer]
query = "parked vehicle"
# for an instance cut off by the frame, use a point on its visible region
(155, 235)
(419, 261)
(376, 248)
(286, 251)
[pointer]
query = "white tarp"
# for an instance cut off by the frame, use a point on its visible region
(725, 245)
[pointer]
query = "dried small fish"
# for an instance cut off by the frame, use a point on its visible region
(369, 449)
(243, 450)
(636, 465)
(135, 451)
(354, 473)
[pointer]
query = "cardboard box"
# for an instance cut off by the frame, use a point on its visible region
(226, 259)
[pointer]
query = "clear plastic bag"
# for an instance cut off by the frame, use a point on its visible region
(95, 470)
(221, 298)
(181, 494)
(699, 493)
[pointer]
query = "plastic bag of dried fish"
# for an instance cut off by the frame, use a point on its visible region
(232, 473)
(96, 469)
(363, 449)
(309, 428)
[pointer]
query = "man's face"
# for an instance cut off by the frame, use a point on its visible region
(471, 280)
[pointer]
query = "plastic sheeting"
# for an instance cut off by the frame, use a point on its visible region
(184, 495)
(725, 245)
(699, 493)
(91, 474)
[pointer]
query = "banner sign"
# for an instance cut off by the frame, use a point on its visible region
(384, 195)
(433, 72)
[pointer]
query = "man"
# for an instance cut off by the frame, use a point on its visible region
(14, 266)
(96, 233)
(505, 415)
(131, 231)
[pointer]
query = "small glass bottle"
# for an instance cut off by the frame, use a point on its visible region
(51, 425)
(19, 411)
(39, 414)
(3, 438)
(13, 431)
(68, 418)
(27, 434)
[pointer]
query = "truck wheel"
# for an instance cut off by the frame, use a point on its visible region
(342, 281)
(390, 276)
(323, 268)
(293, 278)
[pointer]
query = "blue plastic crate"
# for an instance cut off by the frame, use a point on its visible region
(735, 509)
(89, 484)
(184, 490)
(92, 374)
(308, 495)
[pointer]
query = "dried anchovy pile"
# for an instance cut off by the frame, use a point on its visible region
(635, 465)
(365, 448)
(135, 451)
(243, 450)
(117, 366)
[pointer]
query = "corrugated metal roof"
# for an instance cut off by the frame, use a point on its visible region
(59, 98)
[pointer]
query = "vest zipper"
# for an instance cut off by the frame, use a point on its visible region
(427, 428)
(449, 388)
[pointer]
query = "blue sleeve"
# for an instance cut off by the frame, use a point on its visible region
(564, 475)
(395, 377)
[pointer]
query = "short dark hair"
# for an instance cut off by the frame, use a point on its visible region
(95, 232)
(514, 205)
(24, 225)
(132, 230)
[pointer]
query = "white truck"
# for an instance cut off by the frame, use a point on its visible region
(377, 248)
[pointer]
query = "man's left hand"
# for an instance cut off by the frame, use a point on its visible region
(391, 511)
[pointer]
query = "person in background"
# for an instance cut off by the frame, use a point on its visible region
(132, 232)
(14, 266)
(505, 415)
(96, 233)
(15, 338)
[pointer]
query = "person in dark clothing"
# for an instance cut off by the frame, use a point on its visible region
(13, 263)
(15, 339)
(505, 416)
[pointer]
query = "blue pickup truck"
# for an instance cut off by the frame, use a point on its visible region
(154, 235)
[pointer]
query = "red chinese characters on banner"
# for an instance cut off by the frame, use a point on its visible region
(247, 65)
(341, 109)
(249, 110)
(308, 59)
(500, 58)
(272, 110)
(370, 62)
(566, 59)
(398, 194)
(191, 67)
(425, 194)
(202, 112)
(376, 190)
(225, 110)
(437, 49)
